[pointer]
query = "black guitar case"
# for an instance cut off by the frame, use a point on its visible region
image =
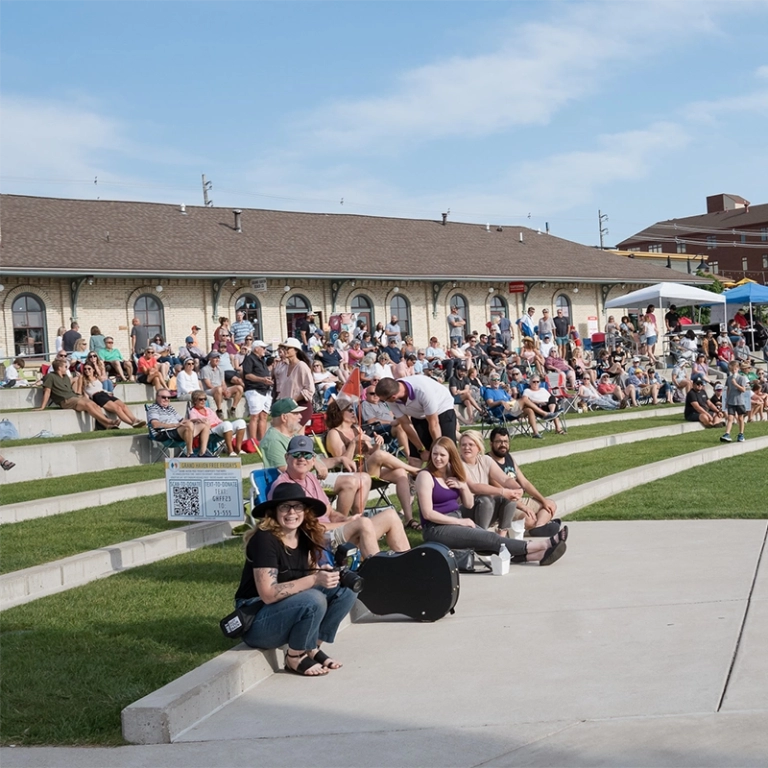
(422, 583)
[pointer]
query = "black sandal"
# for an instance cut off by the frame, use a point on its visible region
(553, 554)
(306, 663)
(561, 535)
(6, 465)
(326, 661)
(413, 525)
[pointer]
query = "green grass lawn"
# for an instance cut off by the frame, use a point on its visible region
(71, 662)
(733, 488)
(556, 475)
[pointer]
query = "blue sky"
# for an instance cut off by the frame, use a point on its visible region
(506, 113)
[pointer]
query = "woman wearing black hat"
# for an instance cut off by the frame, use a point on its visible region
(303, 603)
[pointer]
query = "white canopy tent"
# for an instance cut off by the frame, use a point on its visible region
(664, 294)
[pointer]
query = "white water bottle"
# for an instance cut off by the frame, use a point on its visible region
(500, 562)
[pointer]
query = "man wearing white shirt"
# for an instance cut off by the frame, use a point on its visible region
(423, 408)
(546, 345)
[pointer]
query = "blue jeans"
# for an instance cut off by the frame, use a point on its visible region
(107, 385)
(300, 620)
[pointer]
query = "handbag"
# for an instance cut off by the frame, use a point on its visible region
(239, 621)
(468, 561)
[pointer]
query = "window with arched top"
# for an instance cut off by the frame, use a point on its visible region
(296, 309)
(564, 303)
(461, 303)
(363, 307)
(149, 309)
(29, 335)
(251, 307)
(499, 307)
(401, 308)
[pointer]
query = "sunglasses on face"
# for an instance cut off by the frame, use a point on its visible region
(306, 455)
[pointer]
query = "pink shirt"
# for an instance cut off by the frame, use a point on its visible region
(209, 416)
(312, 488)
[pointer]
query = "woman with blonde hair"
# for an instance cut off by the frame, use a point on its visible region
(224, 429)
(445, 501)
(532, 357)
(94, 389)
(296, 599)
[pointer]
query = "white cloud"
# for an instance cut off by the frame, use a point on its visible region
(762, 71)
(540, 69)
(754, 102)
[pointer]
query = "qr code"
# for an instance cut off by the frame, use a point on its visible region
(186, 501)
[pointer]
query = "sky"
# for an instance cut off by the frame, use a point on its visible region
(533, 113)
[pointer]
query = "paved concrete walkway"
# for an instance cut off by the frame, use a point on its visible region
(644, 646)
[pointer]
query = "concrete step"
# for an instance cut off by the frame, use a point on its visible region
(39, 581)
(30, 423)
(65, 459)
(32, 397)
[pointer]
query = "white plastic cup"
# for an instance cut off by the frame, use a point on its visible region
(517, 529)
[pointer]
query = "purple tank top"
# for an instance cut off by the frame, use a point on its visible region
(445, 500)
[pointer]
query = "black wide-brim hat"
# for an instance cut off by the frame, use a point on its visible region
(289, 492)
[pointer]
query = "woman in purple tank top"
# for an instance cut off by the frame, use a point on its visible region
(444, 501)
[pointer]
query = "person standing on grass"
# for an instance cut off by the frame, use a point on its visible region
(736, 388)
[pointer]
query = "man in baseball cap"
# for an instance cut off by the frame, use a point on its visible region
(286, 423)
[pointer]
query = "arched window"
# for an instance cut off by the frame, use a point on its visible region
(149, 310)
(252, 309)
(401, 307)
(461, 303)
(363, 308)
(564, 303)
(296, 308)
(499, 307)
(29, 337)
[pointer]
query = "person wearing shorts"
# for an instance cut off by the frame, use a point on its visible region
(258, 390)
(736, 394)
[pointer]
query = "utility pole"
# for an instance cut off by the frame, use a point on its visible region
(601, 219)
(206, 186)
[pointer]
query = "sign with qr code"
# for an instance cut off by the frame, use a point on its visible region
(203, 490)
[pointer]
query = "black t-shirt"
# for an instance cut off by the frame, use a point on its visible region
(68, 340)
(695, 396)
(460, 382)
(257, 366)
(561, 326)
(264, 550)
(302, 325)
(673, 320)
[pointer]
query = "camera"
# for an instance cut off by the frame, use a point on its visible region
(347, 577)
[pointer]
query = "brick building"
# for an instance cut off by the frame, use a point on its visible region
(732, 235)
(103, 262)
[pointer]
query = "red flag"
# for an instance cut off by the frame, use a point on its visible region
(350, 392)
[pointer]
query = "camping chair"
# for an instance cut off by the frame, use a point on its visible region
(515, 425)
(261, 482)
(166, 446)
(567, 399)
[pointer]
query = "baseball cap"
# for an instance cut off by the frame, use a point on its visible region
(719, 385)
(189, 340)
(547, 335)
(213, 354)
(301, 443)
(697, 379)
(196, 328)
(295, 343)
(635, 359)
(283, 406)
(259, 343)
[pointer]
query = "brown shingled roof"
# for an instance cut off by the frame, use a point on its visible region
(701, 223)
(55, 236)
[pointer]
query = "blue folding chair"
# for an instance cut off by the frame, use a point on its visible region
(261, 482)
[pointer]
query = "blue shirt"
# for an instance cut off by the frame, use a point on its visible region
(240, 330)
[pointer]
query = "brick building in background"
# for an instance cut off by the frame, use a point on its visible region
(732, 235)
(175, 266)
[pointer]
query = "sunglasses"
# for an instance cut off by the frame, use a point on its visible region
(306, 455)
(163, 397)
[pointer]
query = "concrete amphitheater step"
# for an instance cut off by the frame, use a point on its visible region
(32, 397)
(29, 584)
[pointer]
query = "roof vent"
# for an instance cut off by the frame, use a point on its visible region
(183, 209)
(521, 237)
(238, 224)
(445, 218)
(487, 227)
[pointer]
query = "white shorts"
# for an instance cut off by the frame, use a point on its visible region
(257, 403)
(228, 426)
(329, 481)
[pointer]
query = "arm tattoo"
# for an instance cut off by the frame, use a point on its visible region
(272, 575)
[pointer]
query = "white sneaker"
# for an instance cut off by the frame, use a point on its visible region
(234, 454)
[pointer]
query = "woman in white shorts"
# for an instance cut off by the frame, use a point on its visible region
(226, 429)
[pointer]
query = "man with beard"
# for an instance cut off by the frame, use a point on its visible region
(258, 390)
(539, 511)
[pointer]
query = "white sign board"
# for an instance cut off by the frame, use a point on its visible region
(259, 284)
(202, 490)
(592, 327)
